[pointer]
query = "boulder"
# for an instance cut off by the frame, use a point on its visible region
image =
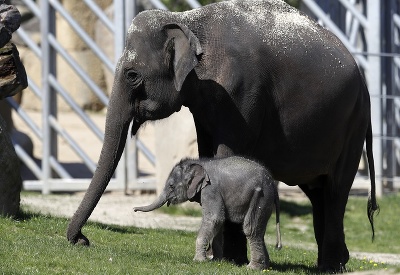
(12, 80)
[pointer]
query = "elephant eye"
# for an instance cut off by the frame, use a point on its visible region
(133, 78)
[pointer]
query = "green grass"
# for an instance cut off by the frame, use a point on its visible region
(297, 227)
(36, 244)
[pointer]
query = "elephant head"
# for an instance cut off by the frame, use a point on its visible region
(147, 86)
(184, 183)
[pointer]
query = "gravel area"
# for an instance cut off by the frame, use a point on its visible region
(113, 208)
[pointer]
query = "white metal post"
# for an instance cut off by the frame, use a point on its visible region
(49, 104)
(373, 75)
(119, 40)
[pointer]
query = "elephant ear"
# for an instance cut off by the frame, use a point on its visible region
(199, 180)
(182, 48)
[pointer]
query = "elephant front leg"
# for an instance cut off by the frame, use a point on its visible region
(207, 231)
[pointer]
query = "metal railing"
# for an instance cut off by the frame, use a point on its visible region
(362, 22)
(50, 173)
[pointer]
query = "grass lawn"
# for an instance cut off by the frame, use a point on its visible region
(36, 244)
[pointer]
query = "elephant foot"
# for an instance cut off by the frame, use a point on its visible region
(330, 270)
(80, 239)
(200, 258)
(257, 266)
(334, 266)
(341, 269)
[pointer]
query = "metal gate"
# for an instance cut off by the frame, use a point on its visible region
(370, 30)
(50, 173)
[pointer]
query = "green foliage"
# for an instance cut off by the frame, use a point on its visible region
(36, 244)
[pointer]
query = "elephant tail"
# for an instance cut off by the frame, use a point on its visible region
(372, 205)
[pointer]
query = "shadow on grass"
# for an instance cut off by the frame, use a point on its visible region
(295, 268)
(116, 228)
(24, 216)
(295, 209)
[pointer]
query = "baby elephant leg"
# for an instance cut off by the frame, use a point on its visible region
(254, 227)
(208, 230)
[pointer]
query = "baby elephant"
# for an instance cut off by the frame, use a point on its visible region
(232, 188)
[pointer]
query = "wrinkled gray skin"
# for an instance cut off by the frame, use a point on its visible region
(262, 80)
(214, 184)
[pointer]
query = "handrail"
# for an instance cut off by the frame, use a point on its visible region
(33, 7)
(360, 17)
(396, 20)
(78, 69)
(71, 102)
(25, 117)
(30, 43)
(82, 34)
(332, 26)
(100, 14)
(64, 134)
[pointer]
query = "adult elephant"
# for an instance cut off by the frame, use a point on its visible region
(261, 80)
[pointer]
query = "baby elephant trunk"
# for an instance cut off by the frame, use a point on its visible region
(161, 200)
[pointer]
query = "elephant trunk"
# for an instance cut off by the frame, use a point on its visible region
(161, 200)
(119, 115)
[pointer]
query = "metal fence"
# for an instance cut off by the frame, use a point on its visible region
(50, 173)
(368, 28)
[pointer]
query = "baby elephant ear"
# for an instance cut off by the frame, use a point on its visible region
(199, 180)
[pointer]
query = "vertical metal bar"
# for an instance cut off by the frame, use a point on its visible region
(131, 149)
(391, 106)
(48, 25)
(130, 13)
(119, 39)
(373, 75)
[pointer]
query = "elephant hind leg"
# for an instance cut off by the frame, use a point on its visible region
(329, 200)
(328, 214)
(254, 227)
(259, 258)
(316, 196)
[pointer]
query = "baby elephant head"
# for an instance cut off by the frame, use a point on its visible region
(185, 181)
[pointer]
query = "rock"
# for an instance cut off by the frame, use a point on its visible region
(10, 178)
(17, 137)
(12, 80)
(12, 73)
(10, 18)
